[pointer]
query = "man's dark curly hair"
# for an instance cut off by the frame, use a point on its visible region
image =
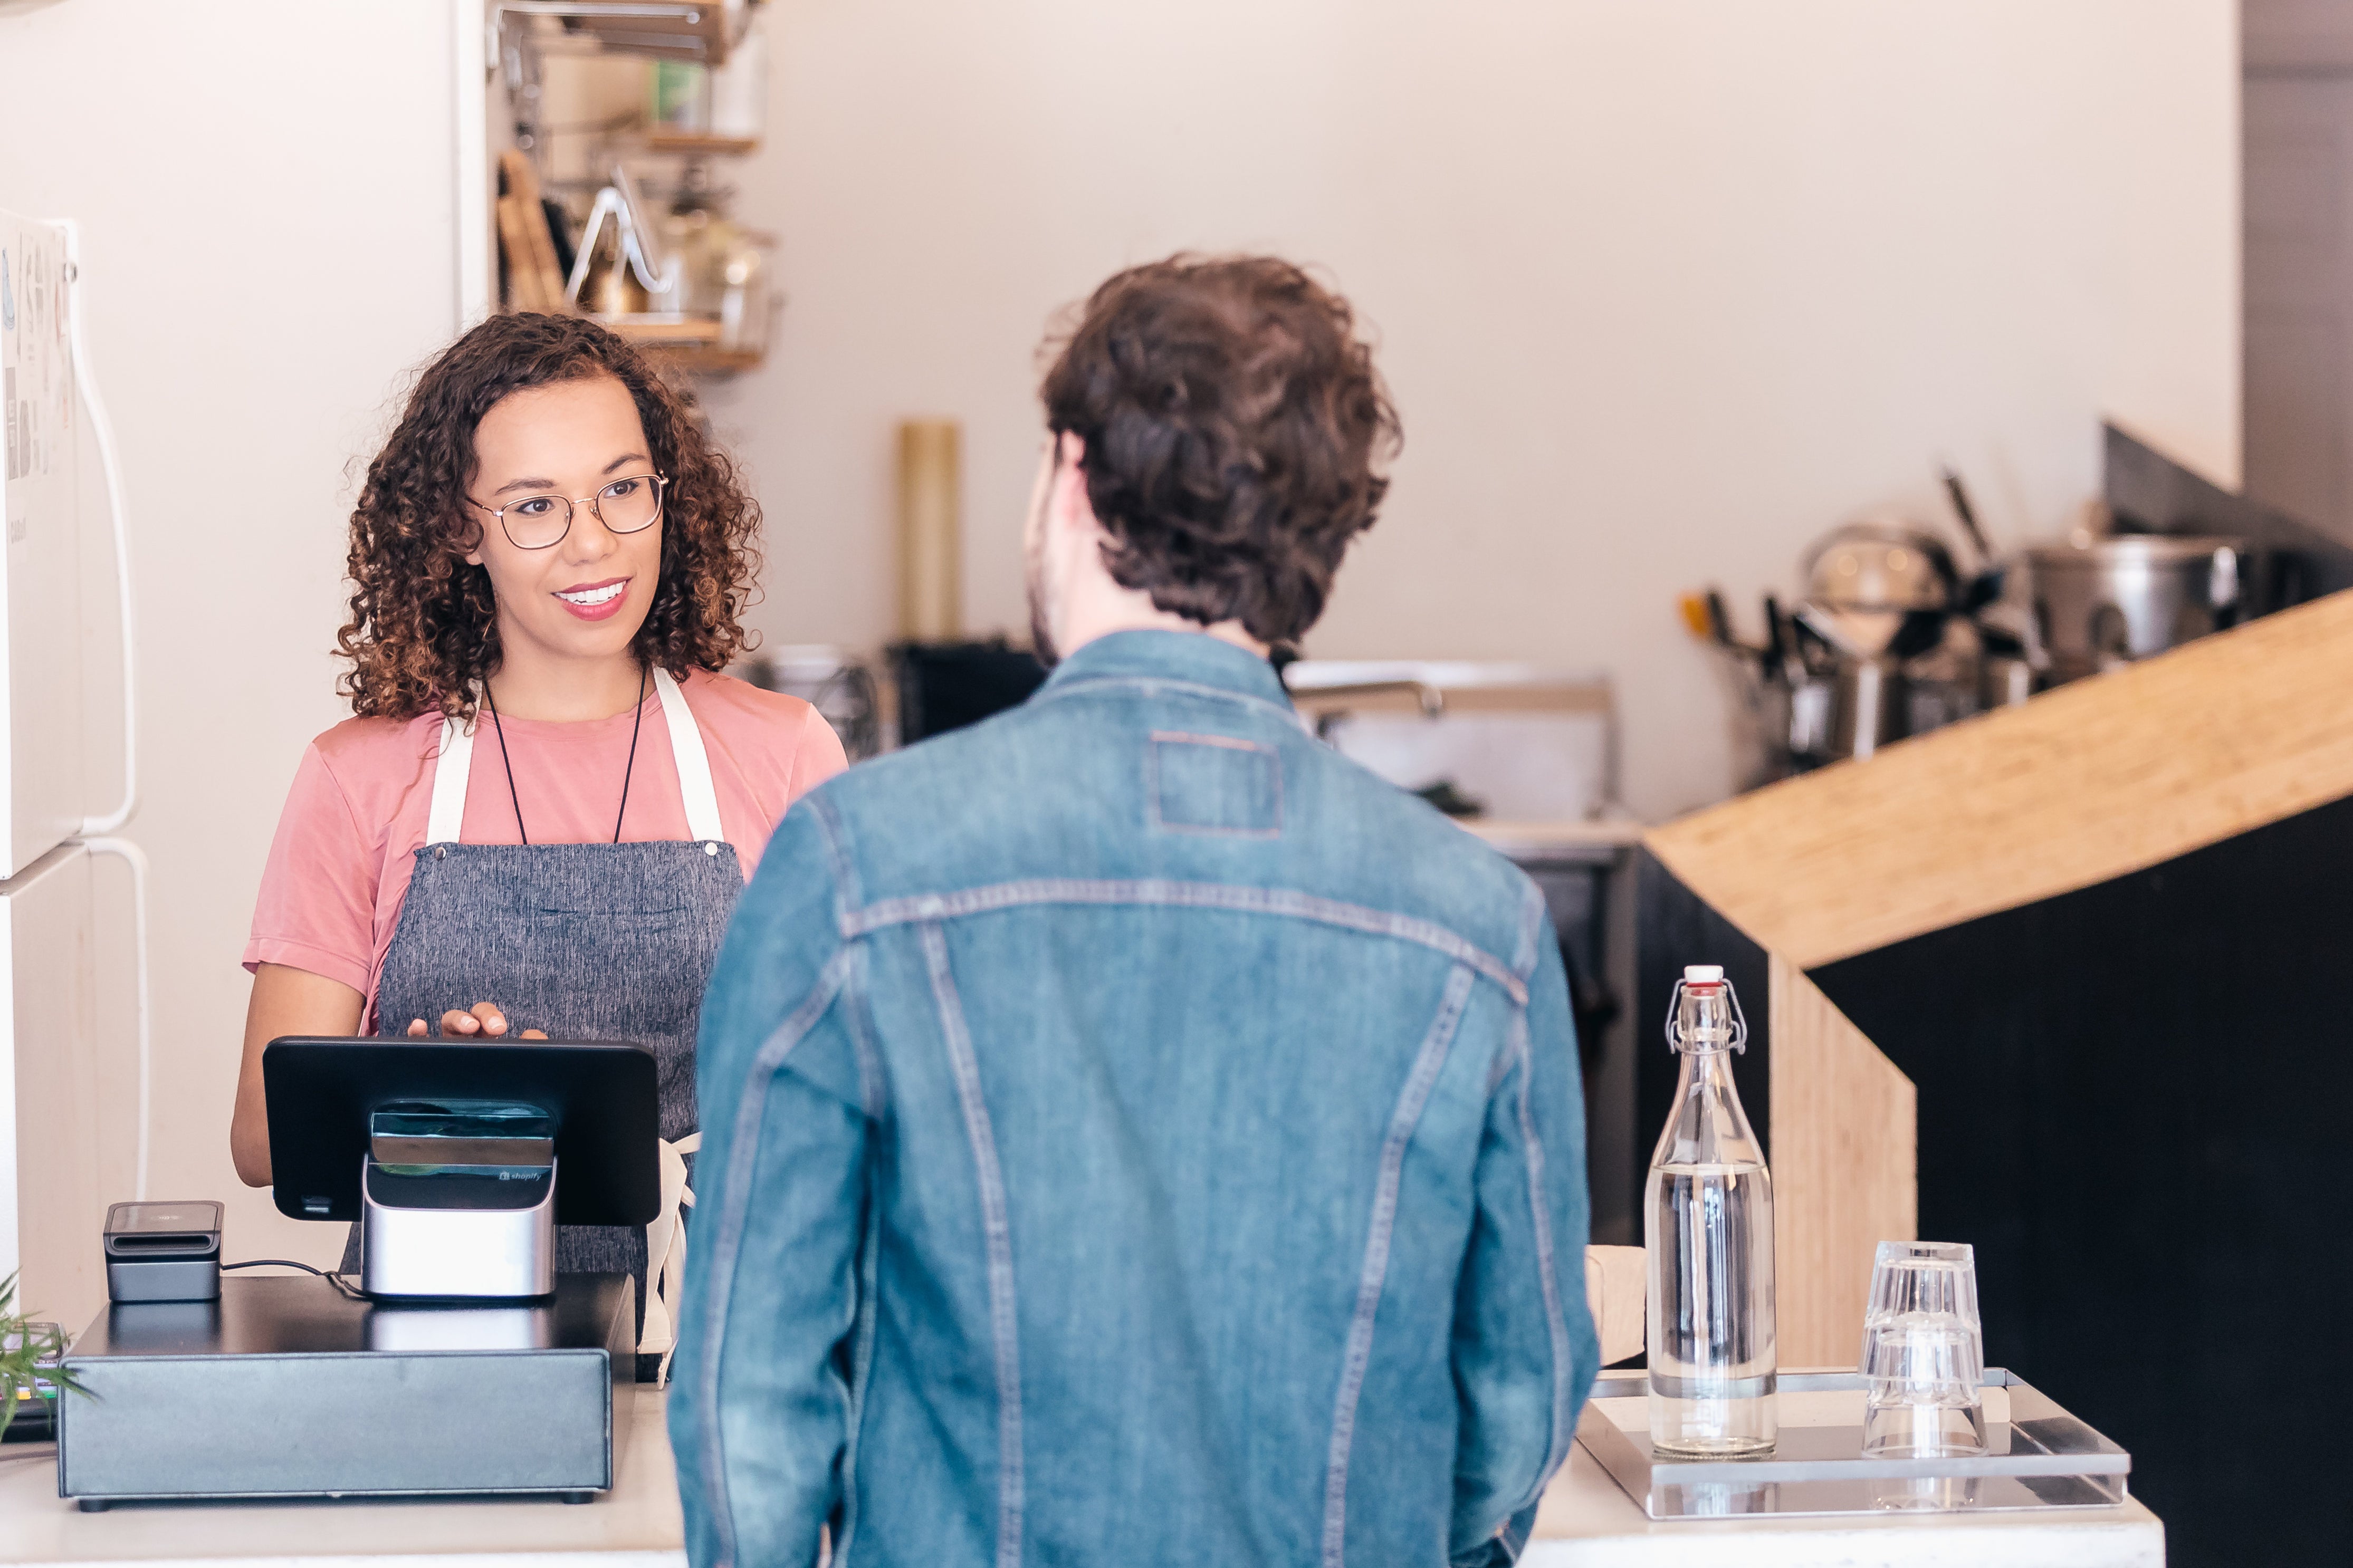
(1233, 424)
(424, 624)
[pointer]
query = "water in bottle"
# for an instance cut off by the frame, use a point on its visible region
(1707, 1228)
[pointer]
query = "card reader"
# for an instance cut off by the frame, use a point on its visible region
(164, 1252)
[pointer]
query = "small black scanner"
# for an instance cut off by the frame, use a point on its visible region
(164, 1252)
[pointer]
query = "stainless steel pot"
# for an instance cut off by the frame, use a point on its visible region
(2128, 596)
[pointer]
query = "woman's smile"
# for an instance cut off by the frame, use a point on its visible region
(596, 600)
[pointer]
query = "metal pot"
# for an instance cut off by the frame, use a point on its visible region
(2110, 601)
(1878, 594)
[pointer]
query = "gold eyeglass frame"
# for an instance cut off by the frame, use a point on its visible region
(572, 510)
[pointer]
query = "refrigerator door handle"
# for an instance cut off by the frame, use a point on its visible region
(102, 428)
(133, 856)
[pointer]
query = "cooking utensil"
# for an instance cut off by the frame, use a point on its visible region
(1777, 652)
(1878, 566)
(1968, 514)
(1693, 610)
(1719, 620)
(1856, 633)
(2109, 600)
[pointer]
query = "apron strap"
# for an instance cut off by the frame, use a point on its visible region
(456, 764)
(693, 766)
(666, 1254)
(449, 775)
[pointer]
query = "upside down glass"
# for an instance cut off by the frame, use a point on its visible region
(1924, 1353)
(1707, 1222)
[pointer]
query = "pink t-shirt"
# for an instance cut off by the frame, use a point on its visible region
(332, 891)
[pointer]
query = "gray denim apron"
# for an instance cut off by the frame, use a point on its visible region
(587, 941)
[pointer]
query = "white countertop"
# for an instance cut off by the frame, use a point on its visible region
(1587, 1522)
(1602, 835)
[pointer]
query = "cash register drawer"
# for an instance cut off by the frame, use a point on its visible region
(288, 1388)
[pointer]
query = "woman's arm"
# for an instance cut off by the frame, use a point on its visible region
(285, 1002)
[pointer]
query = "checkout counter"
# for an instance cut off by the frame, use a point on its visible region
(1586, 1523)
(1587, 1519)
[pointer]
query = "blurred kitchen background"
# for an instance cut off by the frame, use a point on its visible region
(1995, 344)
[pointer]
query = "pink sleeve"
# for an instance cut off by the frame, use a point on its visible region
(815, 757)
(317, 907)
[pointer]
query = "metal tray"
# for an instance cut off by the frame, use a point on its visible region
(2037, 1455)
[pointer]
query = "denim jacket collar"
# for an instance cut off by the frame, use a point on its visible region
(1188, 659)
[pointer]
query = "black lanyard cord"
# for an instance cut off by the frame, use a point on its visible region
(501, 728)
(636, 727)
(642, 671)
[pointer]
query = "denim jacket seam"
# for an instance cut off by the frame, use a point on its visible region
(1548, 1267)
(997, 1237)
(871, 1093)
(835, 834)
(1373, 1274)
(1282, 902)
(1506, 1058)
(732, 1203)
(1148, 685)
(873, 1084)
(864, 1318)
(1532, 914)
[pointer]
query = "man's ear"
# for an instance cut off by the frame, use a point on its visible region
(1068, 504)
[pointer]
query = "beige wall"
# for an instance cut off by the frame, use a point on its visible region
(264, 192)
(1664, 290)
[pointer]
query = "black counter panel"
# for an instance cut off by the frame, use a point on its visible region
(2134, 1101)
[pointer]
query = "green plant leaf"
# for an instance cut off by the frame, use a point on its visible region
(30, 1353)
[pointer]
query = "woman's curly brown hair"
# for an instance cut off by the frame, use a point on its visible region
(424, 626)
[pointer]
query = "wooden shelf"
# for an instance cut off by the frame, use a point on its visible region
(664, 332)
(712, 360)
(702, 142)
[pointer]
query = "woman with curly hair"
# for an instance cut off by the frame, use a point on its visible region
(549, 798)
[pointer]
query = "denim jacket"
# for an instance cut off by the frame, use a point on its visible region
(1132, 1133)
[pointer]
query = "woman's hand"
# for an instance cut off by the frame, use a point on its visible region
(482, 1021)
(286, 1001)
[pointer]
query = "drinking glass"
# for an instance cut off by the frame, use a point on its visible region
(1923, 1352)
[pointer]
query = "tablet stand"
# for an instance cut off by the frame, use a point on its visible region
(458, 1199)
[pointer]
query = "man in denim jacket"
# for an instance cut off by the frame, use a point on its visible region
(1133, 1133)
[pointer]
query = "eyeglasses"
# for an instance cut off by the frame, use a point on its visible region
(629, 505)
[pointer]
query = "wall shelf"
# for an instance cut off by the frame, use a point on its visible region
(700, 143)
(707, 359)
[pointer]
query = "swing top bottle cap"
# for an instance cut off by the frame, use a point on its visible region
(1704, 974)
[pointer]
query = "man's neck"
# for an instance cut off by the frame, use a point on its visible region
(1096, 609)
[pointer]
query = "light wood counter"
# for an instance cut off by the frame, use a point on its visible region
(1587, 1522)
(2098, 779)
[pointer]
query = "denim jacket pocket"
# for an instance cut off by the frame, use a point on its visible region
(1213, 784)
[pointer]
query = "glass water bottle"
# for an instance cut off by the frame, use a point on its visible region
(1707, 1228)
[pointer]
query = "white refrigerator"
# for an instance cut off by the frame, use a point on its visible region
(72, 1091)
